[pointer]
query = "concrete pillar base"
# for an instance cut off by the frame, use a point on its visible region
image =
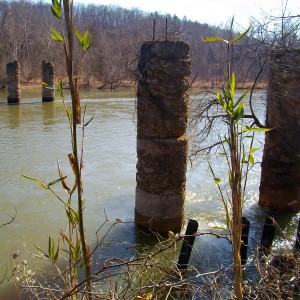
(162, 226)
(47, 99)
(13, 100)
(276, 201)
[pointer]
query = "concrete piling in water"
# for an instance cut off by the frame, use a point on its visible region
(162, 109)
(48, 77)
(13, 82)
(280, 175)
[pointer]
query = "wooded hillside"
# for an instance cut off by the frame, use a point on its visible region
(118, 34)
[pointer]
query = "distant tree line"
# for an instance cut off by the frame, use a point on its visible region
(118, 34)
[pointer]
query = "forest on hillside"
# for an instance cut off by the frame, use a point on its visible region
(118, 34)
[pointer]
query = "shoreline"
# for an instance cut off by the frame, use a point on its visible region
(125, 85)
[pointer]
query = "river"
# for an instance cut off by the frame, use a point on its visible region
(34, 135)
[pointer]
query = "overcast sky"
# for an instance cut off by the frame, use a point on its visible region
(214, 12)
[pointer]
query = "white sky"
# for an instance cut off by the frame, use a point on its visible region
(214, 12)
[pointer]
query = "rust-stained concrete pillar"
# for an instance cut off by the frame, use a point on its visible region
(162, 145)
(48, 76)
(280, 176)
(13, 82)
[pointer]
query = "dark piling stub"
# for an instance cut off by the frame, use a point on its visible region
(48, 77)
(297, 244)
(268, 235)
(245, 235)
(187, 244)
(13, 82)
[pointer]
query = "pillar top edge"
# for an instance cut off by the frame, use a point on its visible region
(166, 43)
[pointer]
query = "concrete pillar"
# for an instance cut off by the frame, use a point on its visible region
(48, 76)
(162, 144)
(13, 82)
(280, 175)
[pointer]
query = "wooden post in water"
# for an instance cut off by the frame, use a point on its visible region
(13, 82)
(245, 236)
(267, 236)
(280, 174)
(297, 243)
(187, 244)
(162, 144)
(48, 77)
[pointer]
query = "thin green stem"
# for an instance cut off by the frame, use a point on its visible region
(68, 11)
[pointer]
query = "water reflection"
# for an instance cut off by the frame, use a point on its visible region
(14, 115)
(49, 114)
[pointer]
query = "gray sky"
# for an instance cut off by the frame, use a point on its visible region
(214, 12)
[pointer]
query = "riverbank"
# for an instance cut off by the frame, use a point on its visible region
(128, 85)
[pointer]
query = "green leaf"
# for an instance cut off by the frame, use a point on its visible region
(239, 112)
(220, 100)
(55, 35)
(40, 182)
(73, 216)
(51, 248)
(232, 22)
(56, 254)
(56, 12)
(241, 98)
(241, 35)
(90, 44)
(73, 254)
(56, 9)
(85, 41)
(214, 39)
(52, 254)
(228, 221)
(88, 122)
(56, 3)
(217, 180)
(251, 159)
(56, 181)
(119, 221)
(252, 150)
(225, 93)
(78, 34)
(47, 86)
(68, 111)
(60, 88)
(39, 249)
(232, 86)
(75, 251)
(256, 129)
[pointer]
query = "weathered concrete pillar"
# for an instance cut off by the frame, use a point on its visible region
(48, 76)
(280, 175)
(162, 145)
(13, 82)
